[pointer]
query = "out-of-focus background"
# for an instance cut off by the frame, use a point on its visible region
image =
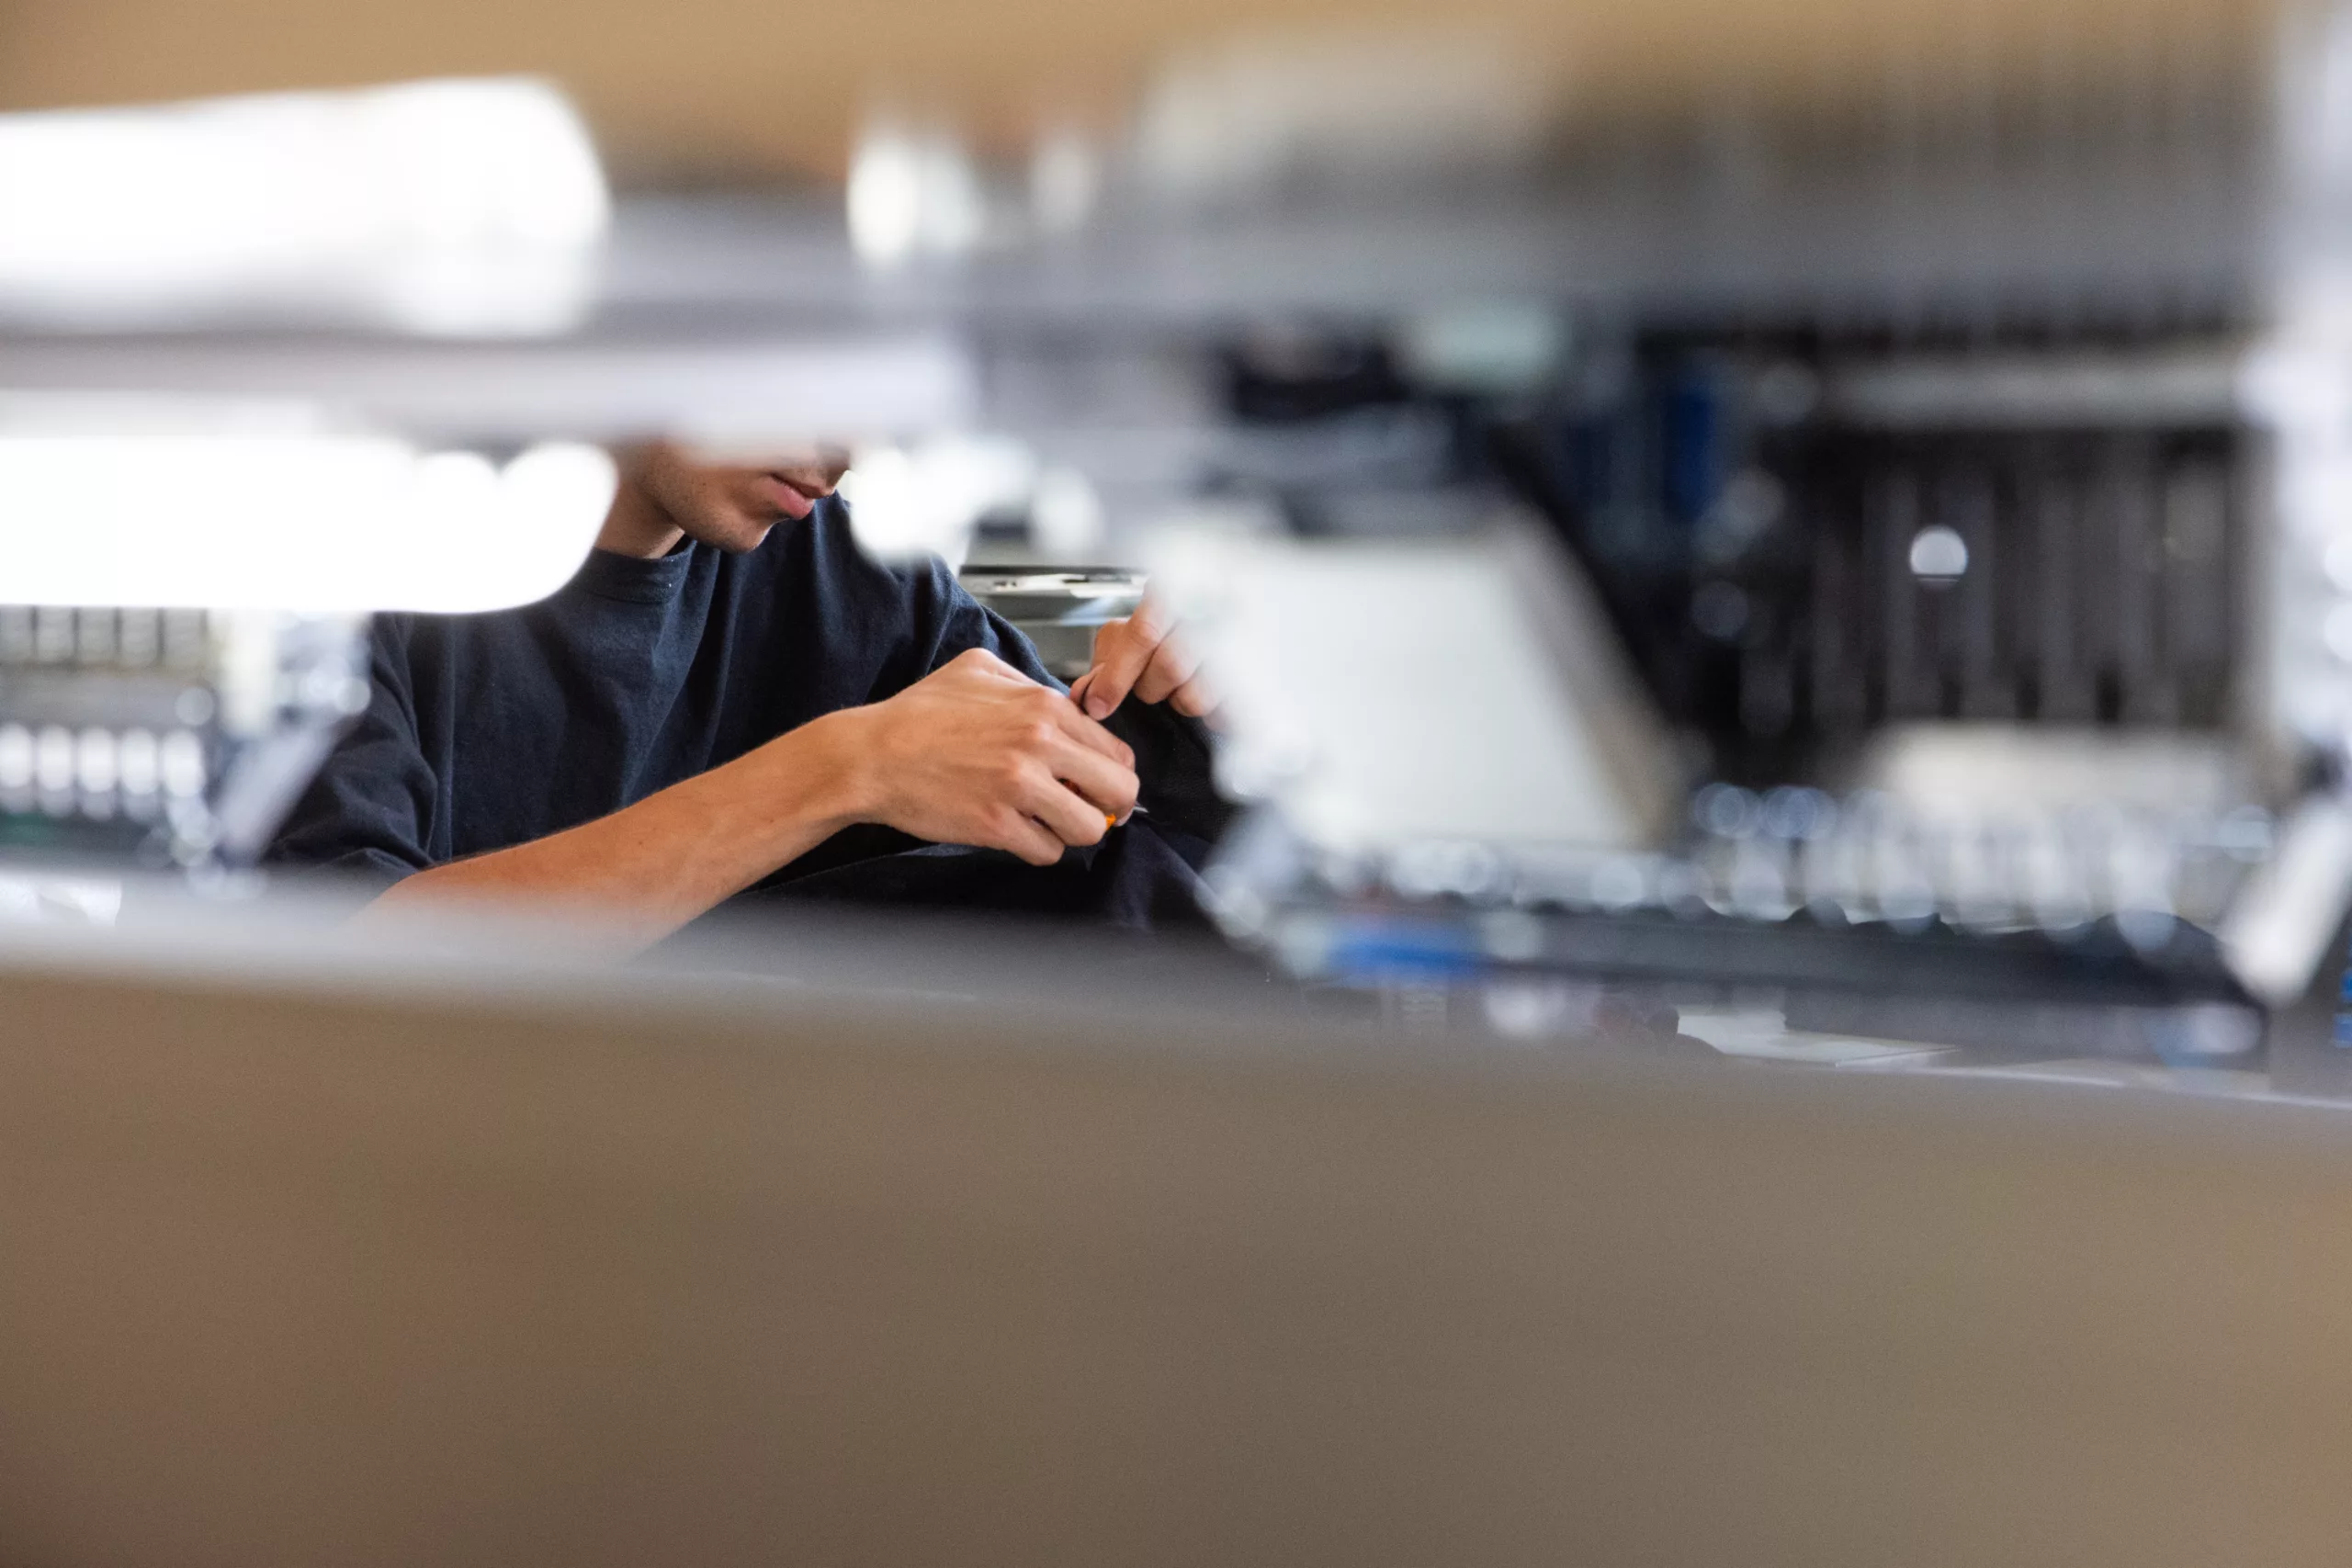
(1819, 480)
(782, 94)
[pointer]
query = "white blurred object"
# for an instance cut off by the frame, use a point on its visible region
(905, 503)
(319, 523)
(438, 207)
(1499, 348)
(912, 194)
(886, 198)
(1065, 180)
(74, 900)
(1432, 689)
(749, 392)
(1958, 774)
(2278, 935)
(1350, 102)
(1065, 516)
(1938, 555)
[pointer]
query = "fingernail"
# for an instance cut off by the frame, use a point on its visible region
(1096, 707)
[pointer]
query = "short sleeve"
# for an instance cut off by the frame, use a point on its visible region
(367, 814)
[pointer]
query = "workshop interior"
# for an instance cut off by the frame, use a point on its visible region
(1757, 969)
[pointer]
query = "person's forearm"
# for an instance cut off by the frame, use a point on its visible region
(650, 868)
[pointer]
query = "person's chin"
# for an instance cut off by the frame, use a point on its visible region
(736, 535)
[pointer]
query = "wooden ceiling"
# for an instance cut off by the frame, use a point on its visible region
(733, 89)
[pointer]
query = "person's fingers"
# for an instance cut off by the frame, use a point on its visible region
(1005, 826)
(1122, 650)
(1193, 699)
(1090, 734)
(1032, 842)
(1069, 817)
(1107, 786)
(1169, 668)
(1147, 621)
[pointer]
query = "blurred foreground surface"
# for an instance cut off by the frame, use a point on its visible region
(495, 1255)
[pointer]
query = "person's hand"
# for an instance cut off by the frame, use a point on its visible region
(977, 753)
(1138, 657)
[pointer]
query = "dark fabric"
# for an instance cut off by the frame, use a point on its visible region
(1139, 877)
(488, 731)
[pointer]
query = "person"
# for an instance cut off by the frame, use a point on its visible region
(728, 695)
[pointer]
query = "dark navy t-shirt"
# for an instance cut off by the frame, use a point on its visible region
(488, 731)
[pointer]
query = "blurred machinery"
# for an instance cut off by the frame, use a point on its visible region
(1057, 610)
(165, 737)
(1964, 470)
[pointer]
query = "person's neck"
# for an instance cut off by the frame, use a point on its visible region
(636, 526)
